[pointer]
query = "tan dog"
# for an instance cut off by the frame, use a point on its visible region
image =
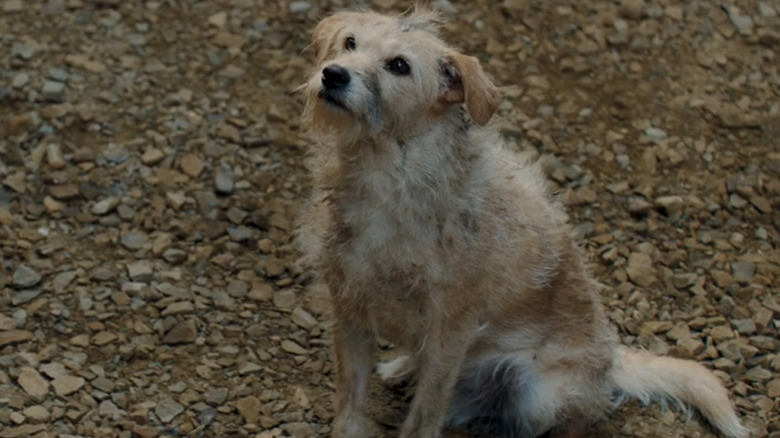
(430, 235)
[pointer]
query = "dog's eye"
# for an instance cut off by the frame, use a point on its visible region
(350, 43)
(398, 66)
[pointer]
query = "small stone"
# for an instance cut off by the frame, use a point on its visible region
(53, 91)
(284, 299)
(54, 156)
(224, 182)
(67, 384)
(191, 165)
(218, 19)
(721, 333)
(640, 269)
(37, 414)
(298, 7)
(167, 410)
(656, 327)
(743, 271)
(182, 333)
(773, 388)
(103, 338)
(262, 292)
(178, 308)
(33, 383)
(672, 206)
(655, 133)
(141, 271)
(152, 156)
(20, 80)
(293, 348)
(303, 319)
(6, 323)
(134, 240)
(249, 408)
(632, 9)
(110, 410)
(216, 396)
(25, 277)
(105, 206)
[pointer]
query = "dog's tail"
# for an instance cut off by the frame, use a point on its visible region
(646, 377)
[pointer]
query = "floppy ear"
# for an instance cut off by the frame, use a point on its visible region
(465, 81)
(324, 33)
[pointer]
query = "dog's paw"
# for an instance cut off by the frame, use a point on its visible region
(353, 426)
(397, 371)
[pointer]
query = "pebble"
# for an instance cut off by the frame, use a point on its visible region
(182, 333)
(191, 165)
(224, 183)
(105, 206)
(298, 7)
(167, 409)
(67, 384)
(640, 269)
(26, 277)
(33, 383)
(249, 408)
(53, 91)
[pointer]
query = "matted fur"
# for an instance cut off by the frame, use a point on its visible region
(431, 235)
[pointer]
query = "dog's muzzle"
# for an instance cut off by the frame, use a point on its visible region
(335, 79)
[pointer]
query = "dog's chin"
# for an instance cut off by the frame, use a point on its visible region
(332, 101)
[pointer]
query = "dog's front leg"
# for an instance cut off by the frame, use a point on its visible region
(440, 358)
(354, 360)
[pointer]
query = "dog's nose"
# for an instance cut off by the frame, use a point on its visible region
(335, 76)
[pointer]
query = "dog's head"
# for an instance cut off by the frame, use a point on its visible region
(392, 74)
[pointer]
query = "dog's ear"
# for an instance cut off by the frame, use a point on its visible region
(324, 33)
(422, 17)
(466, 81)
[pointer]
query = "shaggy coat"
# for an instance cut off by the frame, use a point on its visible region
(429, 234)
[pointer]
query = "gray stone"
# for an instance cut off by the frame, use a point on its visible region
(167, 410)
(26, 277)
(53, 91)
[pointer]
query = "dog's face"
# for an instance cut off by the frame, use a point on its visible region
(392, 74)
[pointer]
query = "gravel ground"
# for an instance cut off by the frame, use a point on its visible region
(151, 169)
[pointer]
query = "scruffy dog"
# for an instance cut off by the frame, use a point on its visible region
(432, 236)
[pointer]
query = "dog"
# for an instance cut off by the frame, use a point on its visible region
(429, 234)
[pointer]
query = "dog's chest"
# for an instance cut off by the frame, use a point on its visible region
(390, 230)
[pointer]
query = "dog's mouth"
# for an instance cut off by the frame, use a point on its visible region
(332, 99)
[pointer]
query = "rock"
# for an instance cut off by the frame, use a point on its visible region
(53, 91)
(106, 206)
(25, 277)
(134, 240)
(67, 384)
(773, 388)
(182, 333)
(293, 348)
(284, 299)
(224, 182)
(191, 165)
(298, 7)
(167, 409)
(216, 396)
(37, 414)
(33, 383)
(10, 337)
(632, 9)
(249, 408)
(141, 271)
(655, 133)
(640, 269)
(218, 19)
(303, 319)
